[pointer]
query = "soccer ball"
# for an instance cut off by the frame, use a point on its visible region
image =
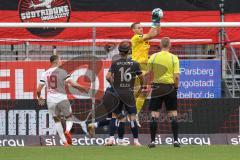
(158, 11)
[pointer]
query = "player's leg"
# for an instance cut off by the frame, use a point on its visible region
(102, 123)
(154, 106)
(171, 107)
(59, 128)
(153, 128)
(52, 108)
(112, 130)
(66, 110)
(140, 99)
(139, 104)
(109, 102)
(113, 123)
(174, 124)
(132, 110)
(69, 124)
(121, 131)
(134, 129)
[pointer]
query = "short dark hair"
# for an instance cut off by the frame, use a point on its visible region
(124, 47)
(134, 24)
(165, 42)
(53, 58)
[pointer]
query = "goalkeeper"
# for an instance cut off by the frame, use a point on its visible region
(140, 49)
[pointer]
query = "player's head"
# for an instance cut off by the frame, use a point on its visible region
(137, 28)
(165, 43)
(55, 59)
(124, 48)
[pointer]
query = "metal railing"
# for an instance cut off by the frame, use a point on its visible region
(231, 80)
(38, 52)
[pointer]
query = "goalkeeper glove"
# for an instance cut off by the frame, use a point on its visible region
(157, 14)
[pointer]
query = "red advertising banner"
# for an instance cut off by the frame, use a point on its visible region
(18, 80)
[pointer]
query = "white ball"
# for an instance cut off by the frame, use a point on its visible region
(159, 12)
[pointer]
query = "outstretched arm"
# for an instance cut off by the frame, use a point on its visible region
(157, 14)
(74, 84)
(153, 32)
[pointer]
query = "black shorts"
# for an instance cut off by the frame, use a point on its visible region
(117, 103)
(122, 106)
(170, 98)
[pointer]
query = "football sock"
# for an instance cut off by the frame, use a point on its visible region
(153, 128)
(104, 122)
(121, 130)
(112, 126)
(59, 129)
(134, 128)
(69, 125)
(175, 128)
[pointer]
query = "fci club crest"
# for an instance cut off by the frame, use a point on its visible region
(44, 11)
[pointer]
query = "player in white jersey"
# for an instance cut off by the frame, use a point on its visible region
(55, 80)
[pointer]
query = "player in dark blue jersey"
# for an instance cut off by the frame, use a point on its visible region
(122, 76)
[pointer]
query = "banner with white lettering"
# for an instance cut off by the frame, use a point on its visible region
(101, 140)
(200, 79)
(18, 80)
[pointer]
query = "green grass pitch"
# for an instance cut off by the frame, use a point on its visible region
(122, 153)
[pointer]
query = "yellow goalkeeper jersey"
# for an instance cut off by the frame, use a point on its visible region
(140, 49)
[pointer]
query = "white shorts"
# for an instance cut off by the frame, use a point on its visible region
(61, 108)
